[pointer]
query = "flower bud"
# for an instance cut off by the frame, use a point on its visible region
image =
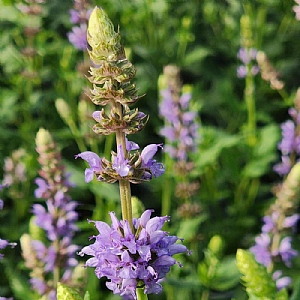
(102, 38)
(64, 110)
(43, 138)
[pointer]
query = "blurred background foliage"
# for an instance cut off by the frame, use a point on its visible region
(202, 38)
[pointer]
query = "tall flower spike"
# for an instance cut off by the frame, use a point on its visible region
(51, 255)
(290, 143)
(274, 243)
(4, 243)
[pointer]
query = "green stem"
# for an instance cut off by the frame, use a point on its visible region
(124, 184)
(167, 192)
(205, 295)
(125, 195)
(251, 109)
(56, 271)
(140, 294)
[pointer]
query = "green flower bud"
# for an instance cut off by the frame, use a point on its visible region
(64, 110)
(216, 245)
(43, 138)
(102, 38)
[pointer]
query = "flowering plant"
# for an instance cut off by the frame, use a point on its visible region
(134, 254)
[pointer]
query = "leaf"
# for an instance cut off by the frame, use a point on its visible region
(282, 295)
(263, 153)
(66, 293)
(196, 55)
(189, 227)
(214, 142)
(258, 282)
(296, 291)
(227, 275)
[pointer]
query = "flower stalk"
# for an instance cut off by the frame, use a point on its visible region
(134, 254)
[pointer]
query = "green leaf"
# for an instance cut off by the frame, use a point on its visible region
(263, 153)
(66, 293)
(296, 291)
(227, 275)
(213, 144)
(189, 227)
(196, 55)
(258, 282)
(282, 295)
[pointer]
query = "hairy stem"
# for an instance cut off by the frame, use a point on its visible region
(124, 185)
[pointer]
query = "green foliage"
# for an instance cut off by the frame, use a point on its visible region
(215, 272)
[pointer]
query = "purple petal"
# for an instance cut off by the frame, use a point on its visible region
(149, 151)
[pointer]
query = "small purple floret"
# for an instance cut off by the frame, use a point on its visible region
(94, 161)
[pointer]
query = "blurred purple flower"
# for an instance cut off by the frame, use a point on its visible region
(62, 210)
(270, 222)
(181, 129)
(281, 282)
(287, 144)
(291, 221)
(247, 56)
(74, 16)
(261, 249)
(77, 37)
(128, 258)
(290, 143)
(4, 243)
(286, 252)
(284, 167)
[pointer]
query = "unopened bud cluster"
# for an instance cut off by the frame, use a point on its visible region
(112, 89)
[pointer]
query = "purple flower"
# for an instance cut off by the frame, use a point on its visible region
(120, 164)
(77, 37)
(74, 16)
(130, 258)
(287, 144)
(181, 130)
(281, 282)
(168, 108)
(42, 189)
(284, 167)
(62, 210)
(131, 146)
(261, 249)
(286, 252)
(270, 222)
(246, 56)
(94, 161)
(241, 71)
(291, 221)
(156, 169)
(4, 243)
